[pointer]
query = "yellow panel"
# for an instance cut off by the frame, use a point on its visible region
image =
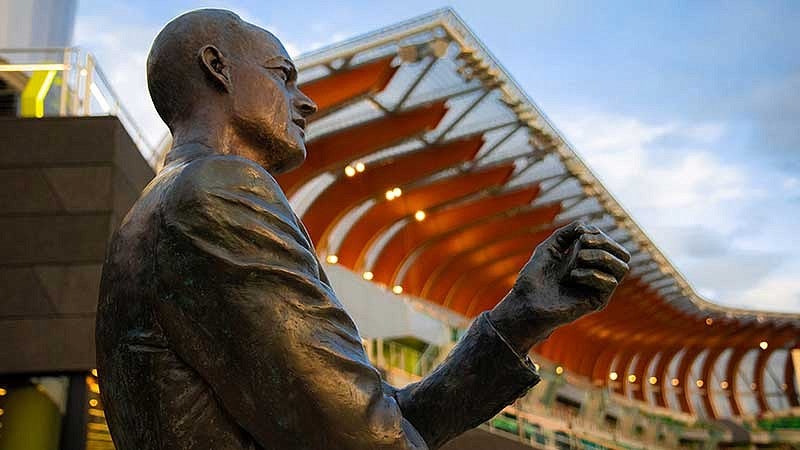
(31, 421)
(32, 104)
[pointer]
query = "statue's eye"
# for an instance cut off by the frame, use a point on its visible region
(286, 74)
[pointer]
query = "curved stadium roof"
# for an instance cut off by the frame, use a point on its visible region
(422, 109)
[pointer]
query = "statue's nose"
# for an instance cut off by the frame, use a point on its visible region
(305, 105)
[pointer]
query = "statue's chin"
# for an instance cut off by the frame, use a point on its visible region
(291, 159)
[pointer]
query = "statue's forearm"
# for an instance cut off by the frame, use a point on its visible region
(479, 377)
(522, 328)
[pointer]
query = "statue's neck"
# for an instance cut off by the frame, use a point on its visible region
(189, 151)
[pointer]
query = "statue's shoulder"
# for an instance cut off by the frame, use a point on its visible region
(223, 176)
(224, 172)
(221, 173)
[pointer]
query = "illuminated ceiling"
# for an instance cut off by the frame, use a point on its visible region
(431, 172)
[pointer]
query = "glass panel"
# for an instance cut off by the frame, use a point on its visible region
(698, 386)
(775, 384)
(672, 374)
(720, 387)
(744, 384)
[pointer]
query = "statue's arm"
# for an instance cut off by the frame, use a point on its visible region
(480, 376)
(572, 273)
(240, 301)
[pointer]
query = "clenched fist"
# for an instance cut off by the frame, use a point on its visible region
(571, 274)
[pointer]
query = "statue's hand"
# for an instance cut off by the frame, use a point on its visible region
(572, 273)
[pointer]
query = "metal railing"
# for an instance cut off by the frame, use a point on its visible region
(68, 82)
(546, 425)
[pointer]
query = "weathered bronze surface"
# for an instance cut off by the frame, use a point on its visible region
(217, 327)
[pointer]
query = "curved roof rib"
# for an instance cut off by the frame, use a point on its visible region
(482, 177)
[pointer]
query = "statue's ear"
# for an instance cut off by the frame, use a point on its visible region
(216, 66)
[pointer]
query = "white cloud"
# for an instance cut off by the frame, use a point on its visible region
(692, 204)
(707, 132)
(779, 291)
(677, 186)
(121, 52)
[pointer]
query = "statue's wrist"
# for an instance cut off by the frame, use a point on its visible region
(522, 326)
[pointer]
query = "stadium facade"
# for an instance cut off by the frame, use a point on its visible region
(430, 177)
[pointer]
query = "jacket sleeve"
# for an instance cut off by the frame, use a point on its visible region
(481, 375)
(241, 301)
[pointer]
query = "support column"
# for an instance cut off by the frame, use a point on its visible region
(73, 429)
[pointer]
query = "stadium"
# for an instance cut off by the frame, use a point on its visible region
(430, 176)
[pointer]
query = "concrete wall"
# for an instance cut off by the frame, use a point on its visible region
(65, 183)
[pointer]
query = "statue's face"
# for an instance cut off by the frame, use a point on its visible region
(268, 109)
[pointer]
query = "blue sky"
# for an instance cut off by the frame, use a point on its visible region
(688, 111)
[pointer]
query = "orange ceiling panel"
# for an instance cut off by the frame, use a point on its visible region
(348, 192)
(491, 293)
(348, 85)
(337, 149)
(440, 223)
(436, 253)
(464, 293)
(385, 213)
(642, 318)
(445, 275)
(667, 339)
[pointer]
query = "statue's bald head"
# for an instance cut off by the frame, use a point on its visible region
(174, 78)
(219, 80)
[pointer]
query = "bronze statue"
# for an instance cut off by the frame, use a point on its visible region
(217, 327)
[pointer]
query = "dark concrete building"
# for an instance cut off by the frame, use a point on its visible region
(65, 184)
